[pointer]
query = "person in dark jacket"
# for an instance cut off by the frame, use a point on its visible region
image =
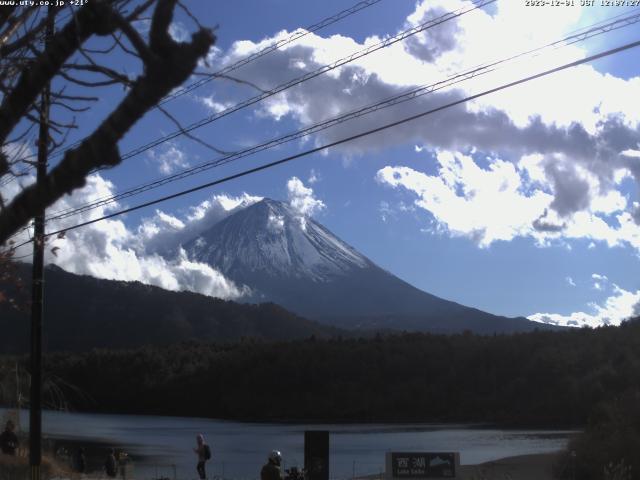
(271, 470)
(201, 452)
(79, 461)
(9, 439)
(110, 464)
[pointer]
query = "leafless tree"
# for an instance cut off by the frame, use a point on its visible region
(72, 62)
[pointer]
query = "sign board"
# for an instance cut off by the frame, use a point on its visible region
(419, 465)
(316, 454)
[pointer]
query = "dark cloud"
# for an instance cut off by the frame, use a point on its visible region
(635, 213)
(456, 128)
(544, 224)
(432, 43)
(571, 189)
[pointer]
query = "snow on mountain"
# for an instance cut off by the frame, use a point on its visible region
(288, 258)
(271, 238)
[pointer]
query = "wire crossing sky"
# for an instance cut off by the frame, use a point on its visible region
(522, 202)
(339, 142)
(599, 29)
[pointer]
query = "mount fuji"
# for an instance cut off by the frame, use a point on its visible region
(290, 259)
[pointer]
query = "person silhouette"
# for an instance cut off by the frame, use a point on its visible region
(203, 452)
(8, 439)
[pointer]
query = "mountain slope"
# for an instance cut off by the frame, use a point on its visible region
(82, 312)
(294, 261)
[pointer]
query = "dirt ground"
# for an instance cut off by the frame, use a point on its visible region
(525, 467)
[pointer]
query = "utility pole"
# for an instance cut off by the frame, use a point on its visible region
(35, 403)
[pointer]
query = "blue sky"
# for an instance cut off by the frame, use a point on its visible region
(522, 203)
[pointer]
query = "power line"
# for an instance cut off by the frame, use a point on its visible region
(347, 139)
(298, 34)
(310, 75)
(389, 102)
(259, 54)
(475, 5)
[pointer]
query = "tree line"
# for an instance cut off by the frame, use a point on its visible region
(535, 379)
(585, 378)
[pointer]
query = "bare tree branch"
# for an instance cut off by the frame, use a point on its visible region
(93, 18)
(26, 39)
(190, 135)
(139, 10)
(240, 81)
(136, 40)
(169, 64)
(88, 83)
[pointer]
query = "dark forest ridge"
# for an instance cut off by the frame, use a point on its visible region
(83, 312)
(534, 379)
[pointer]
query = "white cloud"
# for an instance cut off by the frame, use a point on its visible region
(314, 177)
(109, 250)
(212, 104)
(302, 199)
(486, 205)
(170, 160)
(570, 281)
(275, 223)
(579, 144)
(631, 153)
(620, 306)
(600, 281)
(143, 26)
(178, 32)
(541, 197)
(165, 233)
(385, 211)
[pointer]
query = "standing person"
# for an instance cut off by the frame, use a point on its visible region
(271, 470)
(110, 464)
(79, 461)
(204, 453)
(9, 439)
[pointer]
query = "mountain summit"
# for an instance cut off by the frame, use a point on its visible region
(290, 259)
(271, 239)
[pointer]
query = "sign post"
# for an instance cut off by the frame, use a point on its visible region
(421, 465)
(316, 454)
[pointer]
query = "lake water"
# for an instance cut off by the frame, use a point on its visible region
(162, 446)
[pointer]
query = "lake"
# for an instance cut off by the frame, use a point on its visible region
(162, 446)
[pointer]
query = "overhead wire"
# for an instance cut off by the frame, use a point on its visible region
(298, 34)
(475, 5)
(412, 94)
(347, 139)
(259, 54)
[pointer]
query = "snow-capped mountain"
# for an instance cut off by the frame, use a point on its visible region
(290, 259)
(270, 238)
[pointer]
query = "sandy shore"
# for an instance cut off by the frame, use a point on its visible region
(524, 467)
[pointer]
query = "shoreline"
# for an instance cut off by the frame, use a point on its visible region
(537, 466)
(415, 423)
(522, 467)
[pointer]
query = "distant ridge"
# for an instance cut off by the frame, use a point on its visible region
(82, 313)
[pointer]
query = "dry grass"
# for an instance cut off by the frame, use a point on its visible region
(17, 468)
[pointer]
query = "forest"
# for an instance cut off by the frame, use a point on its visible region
(535, 379)
(584, 378)
(131, 314)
